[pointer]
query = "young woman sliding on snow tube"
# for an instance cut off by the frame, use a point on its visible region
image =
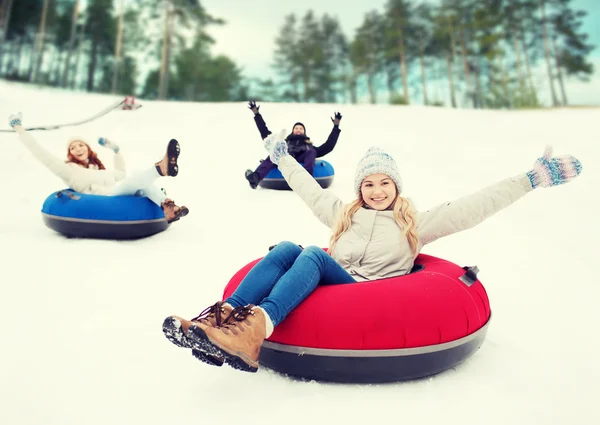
(84, 172)
(376, 236)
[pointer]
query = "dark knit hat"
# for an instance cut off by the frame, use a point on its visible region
(299, 123)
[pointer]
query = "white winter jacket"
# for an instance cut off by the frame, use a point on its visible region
(373, 247)
(75, 176)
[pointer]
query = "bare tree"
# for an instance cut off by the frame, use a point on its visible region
(118, 43)
(547, 54)
(451, 79)
(39, 45)
(163, 82)
(423, 71)
(559, 73)
(65, 76)
(4, 20)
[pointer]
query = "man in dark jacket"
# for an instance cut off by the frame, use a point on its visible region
(299, 146)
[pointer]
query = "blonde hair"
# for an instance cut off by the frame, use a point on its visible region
(403, 213)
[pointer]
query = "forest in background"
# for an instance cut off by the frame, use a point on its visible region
(484, 52)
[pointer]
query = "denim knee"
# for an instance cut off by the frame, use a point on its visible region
(286, 245)
(284, 251)
(314, 252)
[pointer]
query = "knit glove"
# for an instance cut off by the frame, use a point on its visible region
(553, 171)
(15, 119)
(252, 106)
(338, 118)
(103, 141)
(276, 146)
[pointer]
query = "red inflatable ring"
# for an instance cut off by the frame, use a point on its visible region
(386, 330)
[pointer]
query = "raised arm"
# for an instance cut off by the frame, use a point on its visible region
(323, 203)
(71, 174)
(56, 165)
(258, 119)
(329, 144)
(467, 212)
(119, 161)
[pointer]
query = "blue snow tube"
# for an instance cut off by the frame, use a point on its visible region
(323, 174)
(79, 215)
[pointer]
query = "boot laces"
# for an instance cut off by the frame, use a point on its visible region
(215, 311)
(169, 203)
(235, 319)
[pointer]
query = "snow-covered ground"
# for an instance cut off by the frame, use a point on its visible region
(82, 340)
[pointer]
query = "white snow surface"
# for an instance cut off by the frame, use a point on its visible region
(81, 319)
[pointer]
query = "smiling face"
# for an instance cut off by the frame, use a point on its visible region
(378, 191)
(298, 129)
(79, 151)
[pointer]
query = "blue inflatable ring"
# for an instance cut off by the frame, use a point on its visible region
(323, 174)
(79, 215)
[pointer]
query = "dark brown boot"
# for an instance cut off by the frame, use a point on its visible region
(172, 211)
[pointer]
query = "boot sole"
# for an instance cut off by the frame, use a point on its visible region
(207, 358)
(174, 333)
(234, 359)
(173, 151)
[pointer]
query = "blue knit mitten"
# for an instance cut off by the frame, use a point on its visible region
(102, 141)
(276, 145)
(551, 171)
(15, 119)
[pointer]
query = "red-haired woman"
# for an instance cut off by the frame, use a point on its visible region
(84, 172)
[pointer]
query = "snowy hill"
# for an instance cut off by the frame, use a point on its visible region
(82, 340)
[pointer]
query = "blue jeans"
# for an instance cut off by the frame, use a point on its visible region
(285, 277)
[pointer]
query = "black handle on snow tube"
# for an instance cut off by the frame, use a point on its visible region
(470, 276)
(273, 246)
(69, 194)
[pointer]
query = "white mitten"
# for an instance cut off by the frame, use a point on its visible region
(15, 119)
(276, 145)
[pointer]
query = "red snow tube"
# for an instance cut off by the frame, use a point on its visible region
(384, 330)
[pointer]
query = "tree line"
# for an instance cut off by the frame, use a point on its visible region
(483, 52)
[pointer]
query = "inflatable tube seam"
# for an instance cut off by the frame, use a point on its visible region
(277, 179)
(87, 220)
(377, 353)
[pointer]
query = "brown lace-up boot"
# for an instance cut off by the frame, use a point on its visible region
(175, 329)
(237, 340)
(172, 211)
